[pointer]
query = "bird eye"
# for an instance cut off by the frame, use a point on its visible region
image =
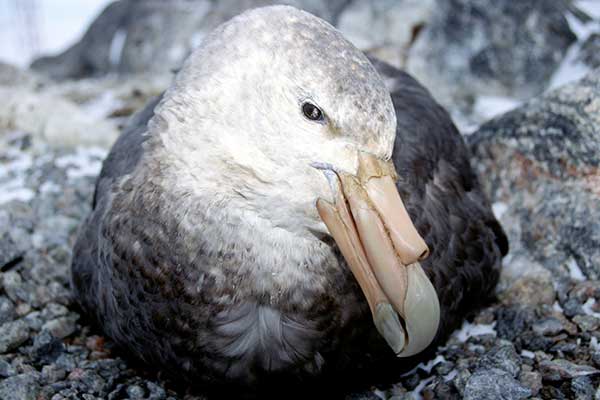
(312, 112)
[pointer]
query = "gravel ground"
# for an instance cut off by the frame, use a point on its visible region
(540, 339)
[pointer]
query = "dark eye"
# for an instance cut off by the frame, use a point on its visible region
(312, 112)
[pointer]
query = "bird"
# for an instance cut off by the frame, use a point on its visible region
(289, 213)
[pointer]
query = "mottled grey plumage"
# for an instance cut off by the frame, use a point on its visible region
(186, 286)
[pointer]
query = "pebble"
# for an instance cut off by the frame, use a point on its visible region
(7, 310)
(12, 334)
(532, 380)
(20, 387)
(587, 323)
(62, 327)
(548, 327)
(492, 384)
(558, 370)
(583, 388)
(502, 356)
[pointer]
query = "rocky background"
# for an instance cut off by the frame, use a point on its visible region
(539, 163)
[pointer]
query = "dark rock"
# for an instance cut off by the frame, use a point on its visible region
(596, 358)
(20, 387)
(571, 308)
(460, 380)
(538, 158)
(491, 384)
(503, 357)
(589, 53)
(511, 322)
(464, 48)
(46, 348)
(52, 374)
(552, 393)
(444, 391)
(564, 348)
(557, 370)
(548, 327)
(12, 334)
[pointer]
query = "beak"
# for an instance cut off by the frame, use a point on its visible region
(382, 247)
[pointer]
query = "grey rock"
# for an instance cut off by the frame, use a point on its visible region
(130, 36)
(10, 253)
(538, 158)
(7, 310)
(532, 380)
(12, 334)
(20, 387)
(62, 327)
(460, 380)
(511, 322)
(587, 323)
(492, 384)
(502, 356)
(135, 392)
(6, 369)
(464, 50)
(548, 327)
(582, 388)
(373, 25)
(596, 358)
(589, 53)
(557, 370)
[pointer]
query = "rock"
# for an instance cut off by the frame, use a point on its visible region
(464, 49)
(492, 384)
(373, 26)
(558, 370)
(7, 309)
(548, 327)
(511, 322)
(532, 380)
(583, 388)
(587, 323)
(46, 348)
(20, 387)
(135, 392)
(6, 369)
(532, 285)
(10, 253)
(62, 327)
(502, 356)
(12, 334)
(152, 36)
(589, 53)
(535, 160)
(52, 119)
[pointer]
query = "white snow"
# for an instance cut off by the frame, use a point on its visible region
(594, 343)
(15, 189)
(487, 107)
(527, 354)
(116, 47)
(101, 106)
(557, 307)
(49, 187)
(416, 393)
(499, 208)
(587, 307)
(574, 271)
(468, 330)
(590, 7)
(427, 367)
(84, 162)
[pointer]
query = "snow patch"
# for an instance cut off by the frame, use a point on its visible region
(590, 7)
(15, 189)
(588, 307)
(488, 107)
(574, 271)
(557, 307)
(527, 354)
(468, 330)
(594, 343)
(49, 187)
(499, 208)
(117, 44)
(416, 393)
(84, 162)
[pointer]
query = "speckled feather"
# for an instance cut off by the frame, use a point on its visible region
(148, 268)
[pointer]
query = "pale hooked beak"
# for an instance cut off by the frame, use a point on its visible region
(382, 248)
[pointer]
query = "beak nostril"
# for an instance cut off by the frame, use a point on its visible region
(424, 254)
